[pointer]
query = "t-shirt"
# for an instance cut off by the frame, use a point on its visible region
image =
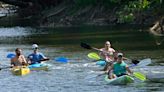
(36, 57)
(119, 69)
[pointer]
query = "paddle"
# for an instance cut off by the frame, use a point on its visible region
(95, 56)
(138, 75)
(10, 55)
(6, 67)
(61, 59)
(87, 46)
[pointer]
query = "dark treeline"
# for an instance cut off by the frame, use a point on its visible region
(107, 11)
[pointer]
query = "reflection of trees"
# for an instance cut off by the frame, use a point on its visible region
(159, 40)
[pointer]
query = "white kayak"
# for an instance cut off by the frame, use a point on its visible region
(156, 77)
(122, 80)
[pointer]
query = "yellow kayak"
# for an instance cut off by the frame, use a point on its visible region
(20, 71)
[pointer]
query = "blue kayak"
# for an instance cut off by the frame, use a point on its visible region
(39, 66)
(101, 63)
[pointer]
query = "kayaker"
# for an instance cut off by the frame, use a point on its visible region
(36, 57)
(19, 59)
(107, 54)
(118, 68)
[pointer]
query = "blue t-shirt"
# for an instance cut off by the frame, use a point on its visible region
(36, 57)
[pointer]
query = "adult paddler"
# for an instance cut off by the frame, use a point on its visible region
(19, 59)
(107, 53)
(118, 68)
(36, 56)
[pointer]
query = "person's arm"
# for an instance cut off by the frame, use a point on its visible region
(24, 62)
(113, 50)
(129, 71)
(43, 58)
(29, 59)
(110, 72)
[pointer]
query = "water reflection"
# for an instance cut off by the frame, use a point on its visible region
(73, 76)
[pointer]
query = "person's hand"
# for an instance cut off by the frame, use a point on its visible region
(24, 64)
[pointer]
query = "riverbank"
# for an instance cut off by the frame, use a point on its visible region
(67, 15)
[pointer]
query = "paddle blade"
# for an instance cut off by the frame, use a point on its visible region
(61, 59)
(94, 56)
(135, 62)
(11, 55)
(86, 46)
(139, 76)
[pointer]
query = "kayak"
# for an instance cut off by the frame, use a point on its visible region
(125, 79)
(101, 63)
(39, 66)
(156, 77)
(19, 71)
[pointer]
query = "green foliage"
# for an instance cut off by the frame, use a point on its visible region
(125, 18)
(139, 5)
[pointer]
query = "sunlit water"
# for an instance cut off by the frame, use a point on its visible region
(80, 74)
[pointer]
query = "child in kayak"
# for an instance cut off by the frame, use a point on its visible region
(107, 54)
(118, 68)
(36, 57)
(19, 59)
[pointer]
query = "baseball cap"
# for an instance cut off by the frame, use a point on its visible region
(119, 54)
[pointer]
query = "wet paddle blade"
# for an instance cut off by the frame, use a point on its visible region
(135, 62)
(61, 59)
(94, 56)
(139, 76)
(86, 46)
(10, 55)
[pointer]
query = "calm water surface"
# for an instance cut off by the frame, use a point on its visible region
(80, 74)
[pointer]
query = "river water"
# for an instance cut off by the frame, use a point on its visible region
(80, 74)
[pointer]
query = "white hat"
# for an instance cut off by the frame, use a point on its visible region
(119, 54)
(34, 46)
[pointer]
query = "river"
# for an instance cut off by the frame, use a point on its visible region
(79, 74)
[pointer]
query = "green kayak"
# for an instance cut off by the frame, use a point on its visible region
(125, 79)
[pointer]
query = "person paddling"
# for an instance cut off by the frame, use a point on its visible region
(118, 68)
(19, 59)
(107, 54)
(36, 56)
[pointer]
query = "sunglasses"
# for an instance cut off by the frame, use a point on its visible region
(107, 44)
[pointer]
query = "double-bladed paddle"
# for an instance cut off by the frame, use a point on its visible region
(138, 75)
(95, 56)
